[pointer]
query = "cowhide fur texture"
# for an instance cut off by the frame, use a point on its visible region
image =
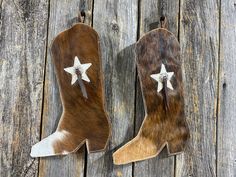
(83, 120)
(160, 127)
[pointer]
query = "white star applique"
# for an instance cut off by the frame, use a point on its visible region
(159, 78)
(77, 70)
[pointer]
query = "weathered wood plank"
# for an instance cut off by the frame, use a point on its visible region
(150, 13)
(199, 40)
(23, 30)
(226, 159)
(63, 14)
(116, 23)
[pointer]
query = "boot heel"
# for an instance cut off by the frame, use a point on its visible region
(95, 145)
(175, 146)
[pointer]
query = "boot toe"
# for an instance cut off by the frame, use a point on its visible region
(136, 150)
(43, 148)
(46, 146)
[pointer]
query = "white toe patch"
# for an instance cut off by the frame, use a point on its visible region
(45, 147)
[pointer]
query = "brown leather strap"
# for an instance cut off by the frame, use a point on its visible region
(165, 95)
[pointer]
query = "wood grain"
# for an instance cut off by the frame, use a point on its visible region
(226, 142)
(199, 41)
(63, 14)
(150, 13)
(23, 36)
(116, 23)
(23, 29)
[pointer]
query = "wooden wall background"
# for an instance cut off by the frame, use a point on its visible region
(29, 98)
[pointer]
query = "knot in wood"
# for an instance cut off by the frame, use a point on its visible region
(115, 27)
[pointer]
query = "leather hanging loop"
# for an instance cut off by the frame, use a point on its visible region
(163, 22)
(81, 16)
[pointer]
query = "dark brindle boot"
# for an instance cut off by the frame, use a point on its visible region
(159, 69)
(76, 55)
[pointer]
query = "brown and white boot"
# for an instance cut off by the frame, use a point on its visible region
(77, 60)
(160, 75)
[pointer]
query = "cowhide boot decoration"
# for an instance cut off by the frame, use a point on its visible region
(77, 60)
(159, 70)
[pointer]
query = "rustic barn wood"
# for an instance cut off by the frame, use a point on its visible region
(199, 42)
(23, 31)
(117, 27)
(226, 131)
(30, 105)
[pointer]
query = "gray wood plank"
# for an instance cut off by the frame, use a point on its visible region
(63, 14)
(116, 23)
(226, 159)
(199, 40)
(150, 13)
(23, 30)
